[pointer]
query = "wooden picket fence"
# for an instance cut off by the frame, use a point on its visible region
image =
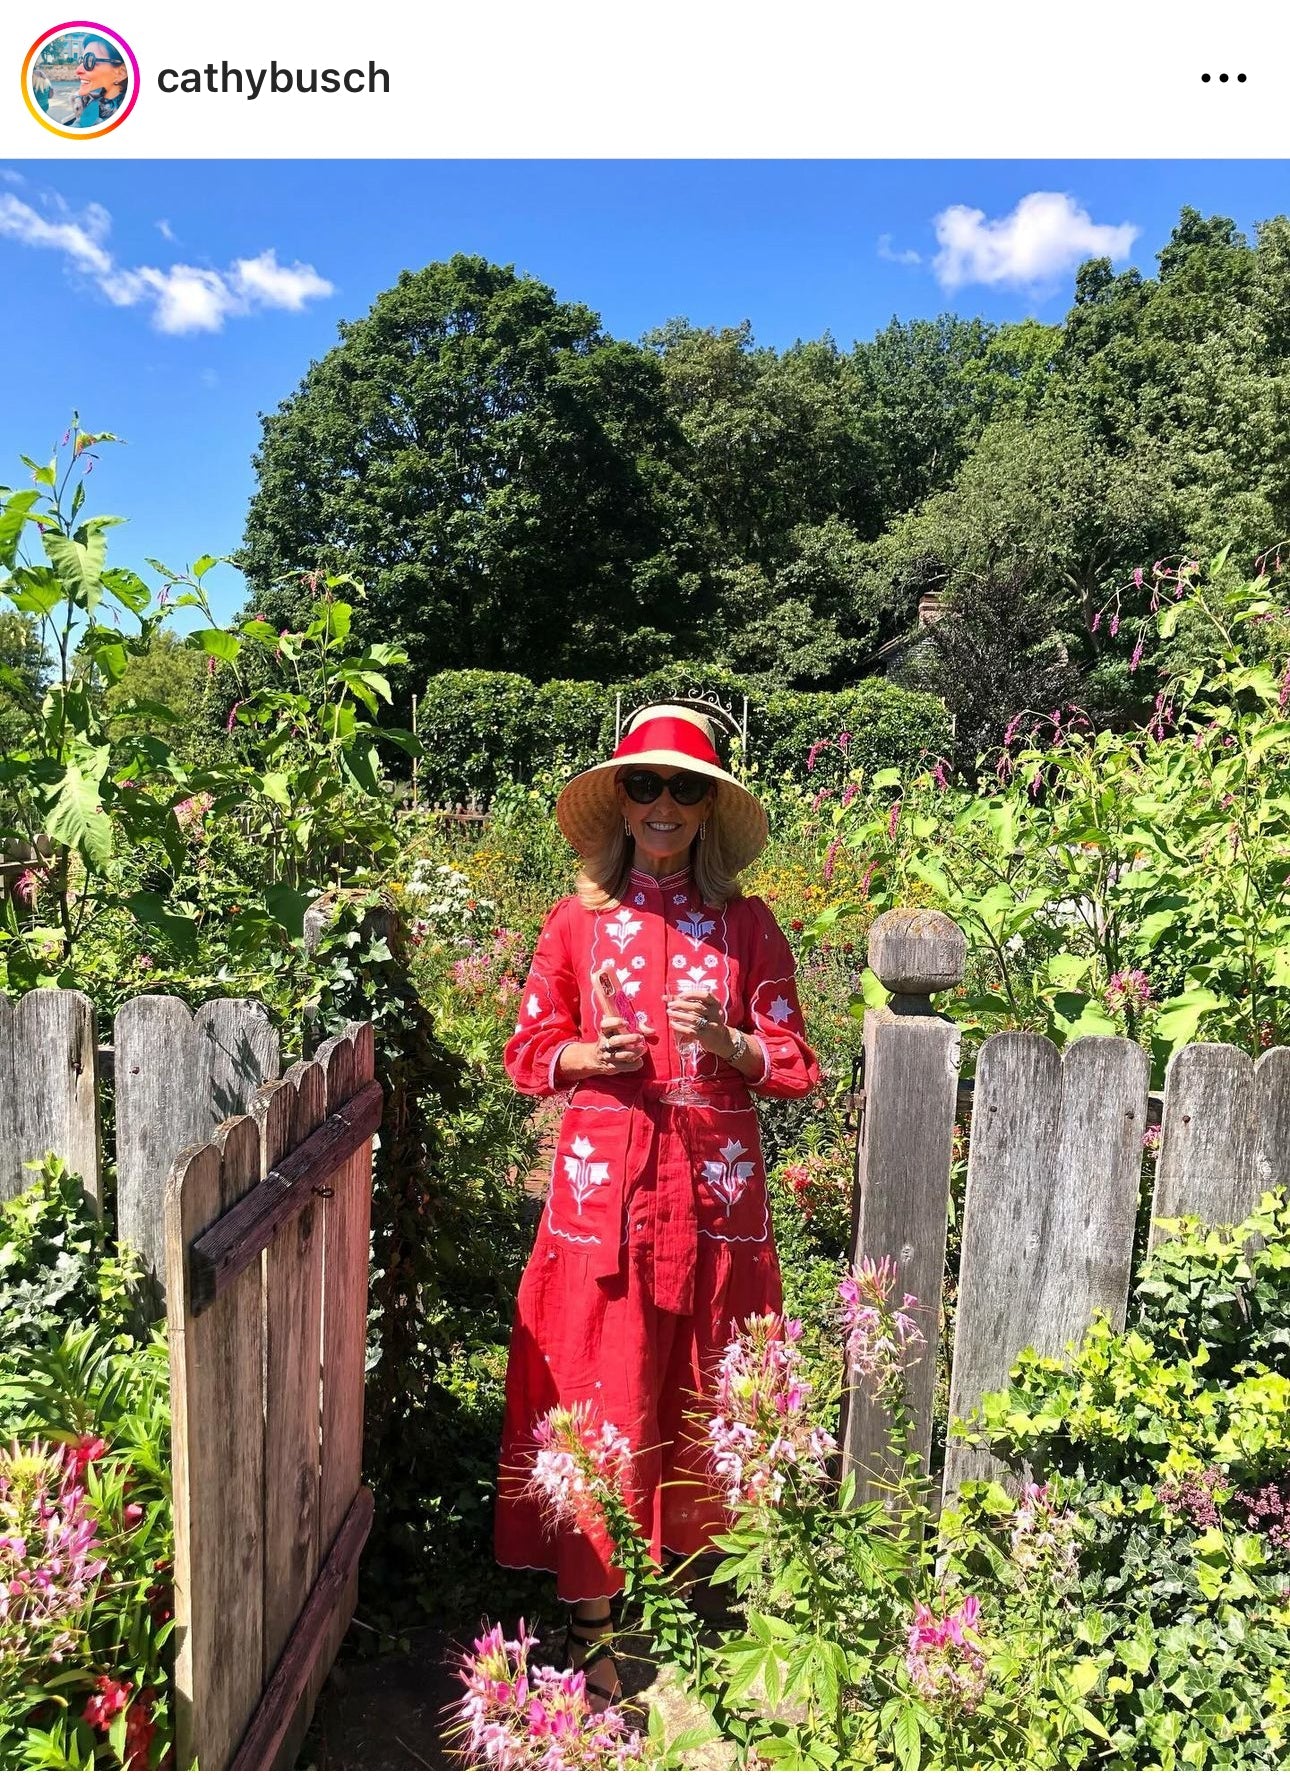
(1055, 1166)
(248, 1195)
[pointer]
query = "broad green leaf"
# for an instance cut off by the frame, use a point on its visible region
(221, 644)
(886, 779)
(77, 818)
(1067, 970)
(907, 1740)
(45, 474)
(15, 515)
(203, 565)
(178, 929)
(125, 584)
(35, 591)
(872, 991)
(79, 566)
(404, 740)
(1180, 1016)
(288, 906)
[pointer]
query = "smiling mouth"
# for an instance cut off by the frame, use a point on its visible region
(663, 826)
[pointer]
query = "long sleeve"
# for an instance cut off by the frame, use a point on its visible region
(549, 1010)
(775, 1013)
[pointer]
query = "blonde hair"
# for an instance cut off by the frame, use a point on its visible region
(602, 877)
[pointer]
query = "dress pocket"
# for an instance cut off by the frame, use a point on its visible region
(584, 1203)
(729, 1174)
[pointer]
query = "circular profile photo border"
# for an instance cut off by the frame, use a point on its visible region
(57, 31)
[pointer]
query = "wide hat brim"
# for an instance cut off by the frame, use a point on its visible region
(587, 807)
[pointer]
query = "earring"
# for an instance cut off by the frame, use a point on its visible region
(703, 829)
(627, 826)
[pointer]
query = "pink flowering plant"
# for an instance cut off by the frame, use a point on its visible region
(1128, 882)
(514, 1716)
(86, 1545)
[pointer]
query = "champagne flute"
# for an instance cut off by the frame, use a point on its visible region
(686, 1091)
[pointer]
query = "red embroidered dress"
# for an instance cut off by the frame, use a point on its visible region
(656, 1232)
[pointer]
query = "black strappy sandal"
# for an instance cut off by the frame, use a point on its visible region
(573, 1639)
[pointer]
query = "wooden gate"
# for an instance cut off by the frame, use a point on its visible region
(266, 1232)
(248, 1196)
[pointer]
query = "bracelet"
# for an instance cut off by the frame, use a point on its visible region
(740, 1049)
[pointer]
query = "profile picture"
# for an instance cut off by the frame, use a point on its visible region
(80, 79)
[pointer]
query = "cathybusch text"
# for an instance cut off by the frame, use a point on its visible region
(276, 78)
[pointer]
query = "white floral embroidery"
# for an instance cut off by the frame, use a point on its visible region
(623, 928)
(533, 1005)
(638, 962)
(694, 980)
(640, 900)
(709, 962)
(680, 900)
(583, 1177)
(678, 962)
(695, 927)
(728, 1176)
(780, 1010)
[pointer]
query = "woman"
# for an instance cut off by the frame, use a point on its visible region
(103, 79)
(656, 1233)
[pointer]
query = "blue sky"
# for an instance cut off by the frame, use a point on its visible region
(172, 302)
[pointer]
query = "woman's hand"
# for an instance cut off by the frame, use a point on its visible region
(618, 1050)
(697, 1018)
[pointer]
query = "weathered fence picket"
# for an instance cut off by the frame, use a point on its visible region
(903, 1156)
(216, 1364)
(1225, 1133)
(178, 1075)
(1054, 1164)
(49, 1087)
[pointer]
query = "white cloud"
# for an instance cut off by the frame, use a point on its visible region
(1046, 236)
(80, 241)
(277, 286)
(182, 298)
(10, 177)
(164, 229)
(897, 255)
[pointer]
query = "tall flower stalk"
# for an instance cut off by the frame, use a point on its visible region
(48, 1563)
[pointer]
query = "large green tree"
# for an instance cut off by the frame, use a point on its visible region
(499, 472)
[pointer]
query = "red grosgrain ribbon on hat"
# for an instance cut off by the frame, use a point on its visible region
(668, 734)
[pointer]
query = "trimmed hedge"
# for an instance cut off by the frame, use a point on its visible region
(481, 729)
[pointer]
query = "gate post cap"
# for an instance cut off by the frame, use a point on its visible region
(916, 950)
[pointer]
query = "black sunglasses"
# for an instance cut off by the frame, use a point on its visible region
(89, 61)
(687, 787)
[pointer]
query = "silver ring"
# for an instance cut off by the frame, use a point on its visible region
(705, 1024)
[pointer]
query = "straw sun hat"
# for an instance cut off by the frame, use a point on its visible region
(668, 737)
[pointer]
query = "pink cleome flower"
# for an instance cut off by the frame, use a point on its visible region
(762, 1442)
(881, 1339)
(576, 1462)
(514, 1719)
(945, 1657)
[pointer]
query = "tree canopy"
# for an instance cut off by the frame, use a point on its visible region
(520, 491)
